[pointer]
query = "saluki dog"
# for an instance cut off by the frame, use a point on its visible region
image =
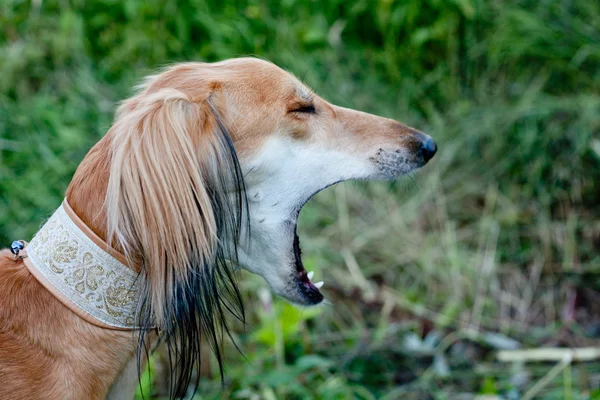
(204, 170)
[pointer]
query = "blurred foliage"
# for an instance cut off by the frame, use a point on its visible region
(493, 236)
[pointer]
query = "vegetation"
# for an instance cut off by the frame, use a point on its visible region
(494, 245)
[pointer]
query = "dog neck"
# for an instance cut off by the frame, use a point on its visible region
(84, 272)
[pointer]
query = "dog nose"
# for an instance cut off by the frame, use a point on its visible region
(428, 149)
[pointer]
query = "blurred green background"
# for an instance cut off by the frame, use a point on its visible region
(493, 246)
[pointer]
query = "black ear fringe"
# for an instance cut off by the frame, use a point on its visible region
(201, 305)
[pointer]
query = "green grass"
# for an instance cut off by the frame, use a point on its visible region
(426, 277)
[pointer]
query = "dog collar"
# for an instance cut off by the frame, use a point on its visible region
(84, 272)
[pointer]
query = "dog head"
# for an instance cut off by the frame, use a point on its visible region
(213, 162)
(291, 145)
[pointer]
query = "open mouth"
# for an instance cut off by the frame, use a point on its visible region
(300, 289)
(275, 252)
(306, 288)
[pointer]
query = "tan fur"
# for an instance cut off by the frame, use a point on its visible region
(163, 137)
(48, 352)
(157, 157)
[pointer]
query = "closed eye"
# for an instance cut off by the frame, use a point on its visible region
(308, 109)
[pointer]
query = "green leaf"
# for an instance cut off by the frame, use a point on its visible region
(312, 361)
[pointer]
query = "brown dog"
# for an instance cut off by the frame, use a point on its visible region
(207, 167)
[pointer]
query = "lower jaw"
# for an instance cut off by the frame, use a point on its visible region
(308, 293)
(303, 297)
(311, 298)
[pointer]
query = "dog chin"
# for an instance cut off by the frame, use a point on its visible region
(301, 293)
(297, 288)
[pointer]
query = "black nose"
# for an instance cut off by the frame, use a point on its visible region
(428, 149)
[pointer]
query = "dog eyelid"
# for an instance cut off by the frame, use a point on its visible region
(304, 108)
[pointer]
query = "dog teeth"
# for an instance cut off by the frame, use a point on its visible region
(319, 285)
(310, 274)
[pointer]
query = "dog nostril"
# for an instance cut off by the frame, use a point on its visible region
(428, 149)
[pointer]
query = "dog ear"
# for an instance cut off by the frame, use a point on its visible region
(174, 205)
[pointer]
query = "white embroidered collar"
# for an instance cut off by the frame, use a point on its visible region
(81, 274)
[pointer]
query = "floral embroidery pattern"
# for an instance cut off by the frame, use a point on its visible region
(90, 277)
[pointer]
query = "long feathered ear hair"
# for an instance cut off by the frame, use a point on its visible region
(175, 204)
